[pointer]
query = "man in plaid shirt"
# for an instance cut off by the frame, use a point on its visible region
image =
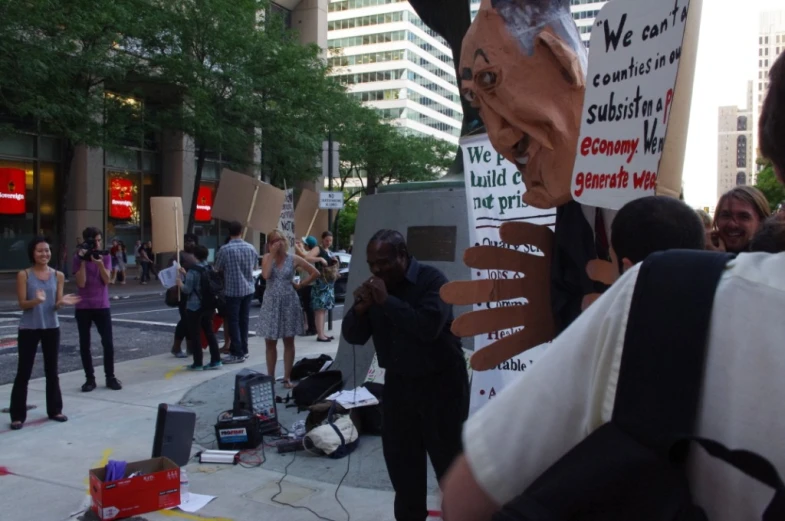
(237, 259)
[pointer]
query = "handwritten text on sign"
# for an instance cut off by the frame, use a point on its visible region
(286, 223)
(494, 190)
(635, 51)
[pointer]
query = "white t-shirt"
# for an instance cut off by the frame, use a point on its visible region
(543, 414)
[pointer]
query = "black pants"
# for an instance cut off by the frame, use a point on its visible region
(237, 316)
(181, 330)
(305, 300)
(27, 344)
(202, 321)
(421, 416)
(102, 318)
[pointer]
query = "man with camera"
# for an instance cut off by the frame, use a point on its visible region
(92, 265)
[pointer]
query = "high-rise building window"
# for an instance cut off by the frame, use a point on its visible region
(741, 179)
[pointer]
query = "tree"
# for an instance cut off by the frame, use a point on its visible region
(346, 221)
(768, 184)
(57, 60)
(378, 153)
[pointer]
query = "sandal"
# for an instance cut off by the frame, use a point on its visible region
(59, 418)
(15, 426)
(287, 384)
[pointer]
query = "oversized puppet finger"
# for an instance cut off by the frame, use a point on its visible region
(465, 293)
(497, 353)
(520, 233)
(503, 259)
(500, 318)
(602, 271)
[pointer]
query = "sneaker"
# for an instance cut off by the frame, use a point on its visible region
(180, 354)
(246, 356)
(214, 365)
(234, 359)
(114, 384)
(88, 386)
(194, 367)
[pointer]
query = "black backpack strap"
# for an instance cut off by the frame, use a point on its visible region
(662, 363)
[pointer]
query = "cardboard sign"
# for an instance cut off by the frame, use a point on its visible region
(12, 191)
(304, 221)
(286, 224)
(493, 192)
(121, 198)
(636, 48)
(168, 229)
(204, 204)
(249, 201)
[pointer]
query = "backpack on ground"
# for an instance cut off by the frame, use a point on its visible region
(211, 288)
(308, 366)
(634, 467)
(316, 388)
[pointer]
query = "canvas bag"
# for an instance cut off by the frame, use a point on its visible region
(634, 466)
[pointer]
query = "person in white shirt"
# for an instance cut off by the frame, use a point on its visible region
(526, 428)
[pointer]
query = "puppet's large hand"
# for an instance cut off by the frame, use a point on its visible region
(531, 281)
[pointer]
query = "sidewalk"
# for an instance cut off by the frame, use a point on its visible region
(132, 288)
(47, 463)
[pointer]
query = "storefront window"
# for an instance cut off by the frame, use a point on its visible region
(48, 197)
(124, 207)
(17, 212)
(152, 188)
(205, 227)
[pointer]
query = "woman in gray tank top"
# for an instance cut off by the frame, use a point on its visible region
(40, 293)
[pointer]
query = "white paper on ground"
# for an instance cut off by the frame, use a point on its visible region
(195, 503)
(354, 398)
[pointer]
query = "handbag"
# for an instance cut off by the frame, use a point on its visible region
(172, 297)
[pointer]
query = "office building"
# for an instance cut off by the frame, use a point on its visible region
(771, 43)
(735, 158)
(393, 62)
(584, 12)
(111, 190)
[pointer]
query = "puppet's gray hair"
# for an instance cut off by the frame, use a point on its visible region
(526, 18)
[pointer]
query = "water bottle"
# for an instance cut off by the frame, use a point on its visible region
(183, 486)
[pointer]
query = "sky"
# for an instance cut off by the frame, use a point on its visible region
(727, 60)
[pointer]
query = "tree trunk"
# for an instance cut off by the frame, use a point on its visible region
(201, 152)
(65, 182)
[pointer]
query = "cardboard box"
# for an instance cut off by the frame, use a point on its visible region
(157, 488)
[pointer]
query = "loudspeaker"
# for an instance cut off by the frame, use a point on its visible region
(174, 433)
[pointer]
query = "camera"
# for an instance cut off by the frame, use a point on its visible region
(90, 251)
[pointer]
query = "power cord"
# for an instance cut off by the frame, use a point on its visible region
(348, 462)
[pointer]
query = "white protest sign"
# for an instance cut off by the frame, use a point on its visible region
(286, 223)
(635, 54)
(331, 200)
(494, 190)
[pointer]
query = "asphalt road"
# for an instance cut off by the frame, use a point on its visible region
(142, 326)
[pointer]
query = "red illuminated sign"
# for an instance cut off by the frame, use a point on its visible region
(204, 204)
(121, 195)
(12, 191)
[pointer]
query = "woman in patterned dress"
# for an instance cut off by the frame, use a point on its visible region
(281, 315)
(323, 292)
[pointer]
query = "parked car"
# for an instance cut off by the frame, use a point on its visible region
(259, 285)
(343, 276)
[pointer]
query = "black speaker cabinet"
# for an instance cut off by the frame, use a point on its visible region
(174, 433)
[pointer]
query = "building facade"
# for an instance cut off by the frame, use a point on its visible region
(393, 62)
(111, 190)
(771, 43)
(584, 12)
(735, 152)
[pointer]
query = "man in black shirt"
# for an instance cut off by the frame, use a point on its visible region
(426, 387)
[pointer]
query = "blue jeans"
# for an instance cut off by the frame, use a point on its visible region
(237, 318)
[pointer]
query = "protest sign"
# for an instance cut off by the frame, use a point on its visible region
(636, 49)
(249, 201)
(286, 223)
(168, 229)
(494, 189)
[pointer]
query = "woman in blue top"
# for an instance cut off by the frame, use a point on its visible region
(198, 317)
(40, 293)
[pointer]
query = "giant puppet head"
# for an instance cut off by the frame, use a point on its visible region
(523, 65)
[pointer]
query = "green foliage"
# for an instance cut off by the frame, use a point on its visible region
(346, 221)
(771, 187)
(379, 153)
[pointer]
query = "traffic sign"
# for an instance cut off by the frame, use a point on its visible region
(330, 200)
